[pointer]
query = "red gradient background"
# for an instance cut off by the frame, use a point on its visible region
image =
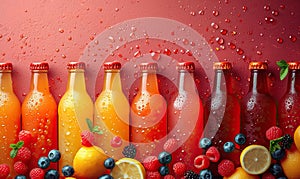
(57, 31)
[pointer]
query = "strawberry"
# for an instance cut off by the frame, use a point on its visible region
(201, 162)
(37, 173)
(170, 145)
(226, 168)
(151, 163)
(23, 154)
(20, 168)
(26, 137)
(87, 138)
(153, 175)
(169, 177)
(213, 154)
(179, 168)
(4, 170)
(273, 132)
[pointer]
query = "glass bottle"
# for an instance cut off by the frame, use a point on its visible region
(148, 127)
(258, 107)
(39, 114)
(112, 113)
(222, 111)
(185, 117)
(74, 108)
(10, 115)
(289, 105)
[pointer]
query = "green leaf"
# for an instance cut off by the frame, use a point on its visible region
(96, 130)
(90, 124)
(283, 73)
(13, 153)
(13, 146)
(282, 64)
(20, 144)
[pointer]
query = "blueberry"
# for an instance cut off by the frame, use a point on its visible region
(164, 157)
(109, 163)
(278, 154)
(67, 171)
(52, 174)
(240, 139)
(54, 155)
(106, 177)
(20, 177)
(276, 170)
(205, 174)
(205, 143)
(228, 147)
(43, 162)
(282, 177)
(163, 170)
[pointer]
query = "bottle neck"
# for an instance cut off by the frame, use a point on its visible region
(76, 81)
(149, 82)
(39, 82)
(294, 81)
(6, 82)
(186, 82)
(222, 82)
(258, 82)
(112, 80)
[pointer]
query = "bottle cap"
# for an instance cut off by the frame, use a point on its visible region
(112, 66)
(222, 66)
(6, 66)
(148, 66)
(188, 66)
(294, 65)
(76, 65)
(258, 66)
(39, 66)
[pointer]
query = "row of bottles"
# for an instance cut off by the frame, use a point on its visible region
(149, 121)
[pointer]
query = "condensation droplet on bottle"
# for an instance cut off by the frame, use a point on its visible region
(219, 40)
(117, 9)
(292, 13)
(137, 54)
(293, 38)
(282, 6)
(1, 36)
(69, 38)
(57, 50)
(231, 45)
(233, 33)
(279, 40)
(239, 51)
(244, 8)
(215, 13)
(167, 51)
(258, 52)
(63, 56)
(155, 56)
(214, 25)
(201, 12)
(185, 41)
(223, 31)
(61, 30)
(192, 13)
(227, 20)
(267, 7)
(269, 20)
(275, 13)
(8, 39)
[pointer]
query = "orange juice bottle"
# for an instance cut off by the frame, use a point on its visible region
(112, 113)
(39, 114)
(185, 117)
(74, 108)
(10, 115)
(148, 127)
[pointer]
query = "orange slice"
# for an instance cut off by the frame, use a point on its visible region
(128, 168)
(255, 159)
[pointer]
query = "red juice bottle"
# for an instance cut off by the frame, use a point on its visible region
(148, 125)
(258, 107)
(289, 105)
(222, 112)
(185, 117)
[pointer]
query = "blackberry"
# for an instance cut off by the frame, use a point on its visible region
(287, 141)
(129, 151)
(190, 175)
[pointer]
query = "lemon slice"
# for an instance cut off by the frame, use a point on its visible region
(128, 168)
(255, 159)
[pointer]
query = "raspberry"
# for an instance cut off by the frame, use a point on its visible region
(26, 137)
(169, 177)
(273, 132)
(37, 173)
(153, 175)
(170, 145)
(151, 163)
(4, 170)
(179, 168)
(201, 162)
(23, 154)
(20, 168)
(116, 141)
(213, 154)
(87, 138)
(226, 168)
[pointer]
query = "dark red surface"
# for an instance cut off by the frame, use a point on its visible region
(58, 31)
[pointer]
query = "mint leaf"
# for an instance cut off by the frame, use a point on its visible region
(282, 64)
(13, 146)
(90, 124)
(96, 130)
(283, 72)
(20, 144)
(13, 153)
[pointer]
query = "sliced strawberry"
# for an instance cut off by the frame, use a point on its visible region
(213, 154)
(201, 162)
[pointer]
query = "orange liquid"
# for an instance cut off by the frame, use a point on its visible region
(74, 108)
(148, 118)
(112, 115)
(39, 116)
(10, 119)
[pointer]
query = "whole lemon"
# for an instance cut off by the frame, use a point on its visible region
(88, 162)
